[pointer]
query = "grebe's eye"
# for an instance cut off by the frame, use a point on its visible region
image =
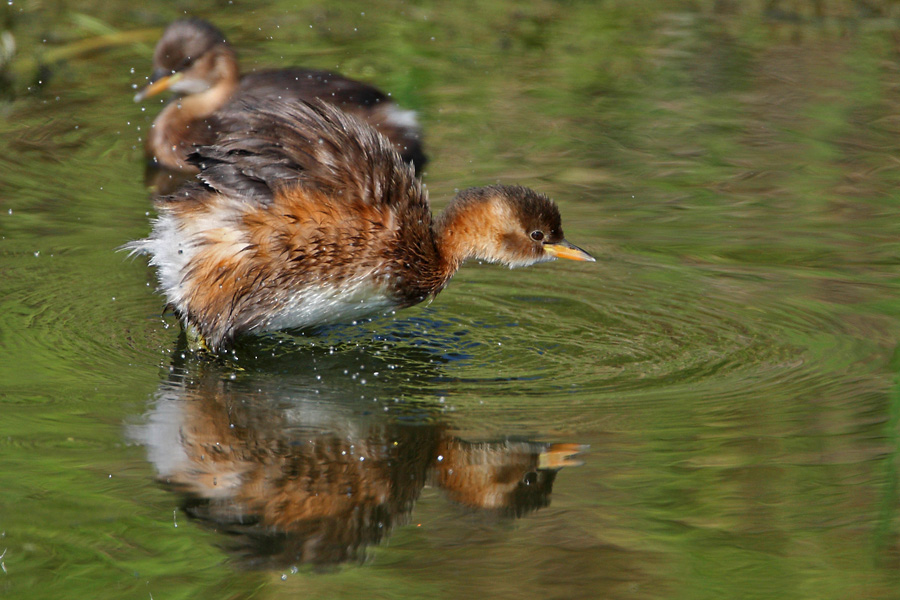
(537, 235)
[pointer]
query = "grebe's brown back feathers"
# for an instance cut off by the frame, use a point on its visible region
(272, 147)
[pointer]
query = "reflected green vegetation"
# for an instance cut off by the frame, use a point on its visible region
(731, 359)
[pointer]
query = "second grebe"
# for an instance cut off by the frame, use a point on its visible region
(194, 60)
(305, 216)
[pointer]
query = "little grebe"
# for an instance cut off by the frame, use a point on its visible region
(304, 215)
(194, 60)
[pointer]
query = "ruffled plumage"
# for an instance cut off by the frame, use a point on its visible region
(303, 215)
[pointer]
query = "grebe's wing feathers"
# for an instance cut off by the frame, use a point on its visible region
(295, 83)
(272, 146)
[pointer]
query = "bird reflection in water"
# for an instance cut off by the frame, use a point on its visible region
(299, 475)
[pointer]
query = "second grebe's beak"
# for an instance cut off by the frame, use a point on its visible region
(159, 82)
(564, 249)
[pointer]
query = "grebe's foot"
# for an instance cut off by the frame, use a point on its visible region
(557, 456)
(195, 340)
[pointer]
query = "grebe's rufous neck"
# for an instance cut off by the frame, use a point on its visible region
(304, 216)
(193, 60)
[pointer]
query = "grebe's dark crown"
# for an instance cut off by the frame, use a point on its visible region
(183, 42)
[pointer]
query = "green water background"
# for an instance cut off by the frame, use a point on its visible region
(731, 359)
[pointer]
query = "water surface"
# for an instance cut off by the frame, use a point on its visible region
(709, 411)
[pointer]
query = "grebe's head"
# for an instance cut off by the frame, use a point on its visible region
(191, 57)
(513, 225)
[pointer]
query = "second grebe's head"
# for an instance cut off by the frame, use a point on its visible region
(191, 57)
(513, 225)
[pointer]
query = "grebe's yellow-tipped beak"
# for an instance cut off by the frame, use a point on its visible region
(157, 85)
(564, 249)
